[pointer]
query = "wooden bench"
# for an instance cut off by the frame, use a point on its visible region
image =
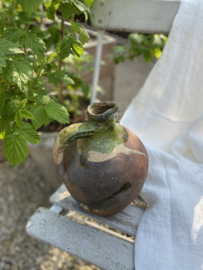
(107, 242)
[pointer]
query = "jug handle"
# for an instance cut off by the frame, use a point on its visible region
(70, 134)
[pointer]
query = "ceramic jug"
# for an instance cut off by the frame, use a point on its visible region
(103, 164)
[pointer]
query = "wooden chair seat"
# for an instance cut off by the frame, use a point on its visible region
(106, 242)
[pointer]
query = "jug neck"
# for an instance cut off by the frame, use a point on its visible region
(102, 113)
(101, 119)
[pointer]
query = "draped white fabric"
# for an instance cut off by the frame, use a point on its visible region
(168, 117)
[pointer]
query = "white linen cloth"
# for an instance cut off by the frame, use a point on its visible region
(167, 116)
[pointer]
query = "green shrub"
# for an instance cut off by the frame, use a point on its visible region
(25, 68)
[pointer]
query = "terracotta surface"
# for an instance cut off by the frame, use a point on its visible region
(103, 164)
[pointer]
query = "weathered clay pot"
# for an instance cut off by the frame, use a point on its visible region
(103, 164)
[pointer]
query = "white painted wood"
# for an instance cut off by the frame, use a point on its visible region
(101, 228)
(145, 16)
(89, 244)
(126, 221)
(97, 66)
(56, 209)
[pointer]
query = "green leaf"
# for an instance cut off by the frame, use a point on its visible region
(19, 73)
(7, 47)
(49, 67)
(67, 10)
(84, 37)
(147, 56)
(23, 114)
(31, 62)
(27, 115)
(30, 6)
(54, 98)
(64, 77)
(48, 120)
(89, 2)
(77, 46)
(157, 41)
(15, 148)
(2, 61)
(68, 43)
(22, 104)
(65, 47)
(81, 8)
(51, 10)
(36, 45)
(57, 112)
(40, 115)
(41, 97)
(53, 79)
(2, 135)
(51, 13)
(13, 34)
(52, 38)
(4, 126)
(2, 26)
(18, 119)
(157, 52)
(28, 92)
(45, 100)
(10, 109)
(57, 76)
(136, 38)
(3, 98)
(29, 134)
(25, 18)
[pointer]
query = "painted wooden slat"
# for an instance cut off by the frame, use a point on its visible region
(88, 244)
(126, 221)
(145, 16)
(101, 228)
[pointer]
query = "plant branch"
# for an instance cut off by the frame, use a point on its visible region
(61, 97)
(39, 73)
(24, 47)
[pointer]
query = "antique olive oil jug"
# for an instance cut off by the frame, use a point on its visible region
(103, 164)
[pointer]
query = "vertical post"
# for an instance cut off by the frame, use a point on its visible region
(97, 65)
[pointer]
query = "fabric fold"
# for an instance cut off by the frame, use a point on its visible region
(167, 116)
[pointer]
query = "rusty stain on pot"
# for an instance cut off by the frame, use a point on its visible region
(104, 164)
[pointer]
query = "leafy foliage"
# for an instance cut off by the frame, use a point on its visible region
(67, 9)
(25, 68)
(69, 45)
(84, 37)
(29, 134)
(149, 46)
(13, 34)
(18, 72)
(57, 112)
(15, 148)
(40, 114)
(36, 45)
(8, 48)
(30, 6)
